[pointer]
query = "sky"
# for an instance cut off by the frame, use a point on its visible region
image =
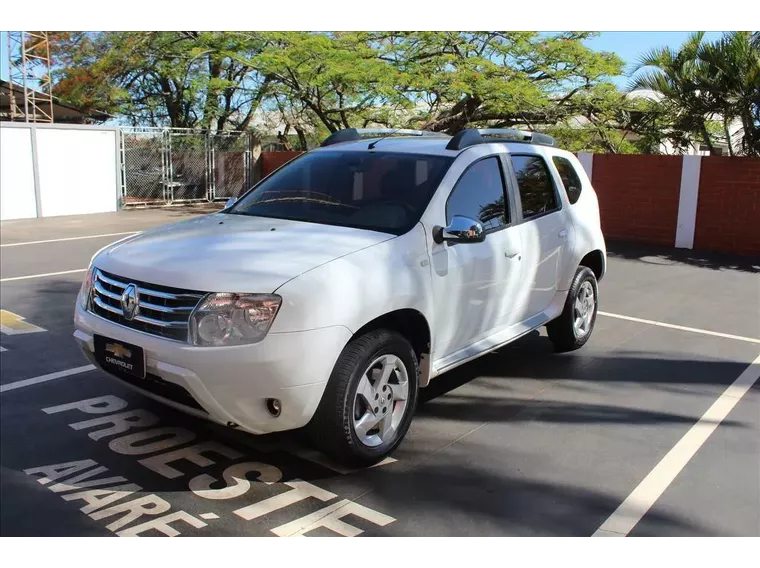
(628, 45)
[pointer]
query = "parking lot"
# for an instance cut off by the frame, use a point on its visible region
(519, 442)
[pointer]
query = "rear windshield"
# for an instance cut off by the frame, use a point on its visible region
(379, 191)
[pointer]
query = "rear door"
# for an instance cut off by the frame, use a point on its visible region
(544, 231)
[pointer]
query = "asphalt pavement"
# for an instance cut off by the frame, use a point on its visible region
(653, 428)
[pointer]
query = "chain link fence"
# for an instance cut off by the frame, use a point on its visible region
(161, 166)
(144, 163)
(231, 157)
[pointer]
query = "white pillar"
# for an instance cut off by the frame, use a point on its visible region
(687, 201)
(587, 161)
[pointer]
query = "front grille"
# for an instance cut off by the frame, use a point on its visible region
(161, 310)
(156, 385)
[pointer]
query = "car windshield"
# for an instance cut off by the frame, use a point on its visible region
(379, 191)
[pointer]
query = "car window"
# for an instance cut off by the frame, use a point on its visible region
(569, 178)
(479, 195)
(535, 184)
(379, 191)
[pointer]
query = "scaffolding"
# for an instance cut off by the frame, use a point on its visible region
(29, 72)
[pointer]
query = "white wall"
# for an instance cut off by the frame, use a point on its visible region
(17, 199)
(77, 170)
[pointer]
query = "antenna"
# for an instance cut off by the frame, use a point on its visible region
(354, 134)
(373, 144)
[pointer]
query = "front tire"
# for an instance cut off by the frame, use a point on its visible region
(572, 329)
(369, 401)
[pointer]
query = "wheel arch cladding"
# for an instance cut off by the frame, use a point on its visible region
(595, 261)
(414, 327)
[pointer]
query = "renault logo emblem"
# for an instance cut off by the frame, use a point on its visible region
(129, 300)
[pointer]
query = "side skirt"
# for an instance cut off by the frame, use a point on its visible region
(500, 338)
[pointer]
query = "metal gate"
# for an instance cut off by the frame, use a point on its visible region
(144, 166)
(230, 164)
(168, 165)
(188, 165)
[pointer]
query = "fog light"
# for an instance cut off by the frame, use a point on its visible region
(274, 407)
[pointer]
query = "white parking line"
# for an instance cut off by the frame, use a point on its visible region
(681, 327)
(14, 278)
(69, 239)
(636, 505)
(45, 378)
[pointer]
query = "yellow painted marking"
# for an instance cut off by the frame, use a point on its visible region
(14, 324)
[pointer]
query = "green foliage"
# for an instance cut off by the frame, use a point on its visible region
(315, 83)
(184, 79)
(334, 79)
(327, 81)
(706, 86)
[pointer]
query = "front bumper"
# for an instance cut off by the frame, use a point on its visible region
(231, 384)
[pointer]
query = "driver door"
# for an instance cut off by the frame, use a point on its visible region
(474, 283)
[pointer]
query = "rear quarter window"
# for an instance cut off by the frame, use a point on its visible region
(570, 179)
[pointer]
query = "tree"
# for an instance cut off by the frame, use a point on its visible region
(321, 82)
(704, 84)
(611, 122)
(731, 82)
(181, 79)
(673, 74)
(442, 81)
(502, 78)
(336, 78)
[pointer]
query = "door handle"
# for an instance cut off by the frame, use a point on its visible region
(510, 254)
(563, 234)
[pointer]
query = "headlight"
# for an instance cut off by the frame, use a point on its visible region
(233, 319)
(86, 289)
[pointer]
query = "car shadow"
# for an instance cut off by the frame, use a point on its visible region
(653, 254)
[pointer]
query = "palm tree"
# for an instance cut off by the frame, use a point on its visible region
(702, 81)
(676, 76)
(732, 65)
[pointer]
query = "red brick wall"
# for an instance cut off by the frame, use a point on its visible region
(270, 161)
(638, 196)
(728, 209)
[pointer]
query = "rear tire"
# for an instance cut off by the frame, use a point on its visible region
(572, 329)
(369, 401)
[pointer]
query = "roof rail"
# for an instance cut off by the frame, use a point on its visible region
(353, 134)
(473, 136)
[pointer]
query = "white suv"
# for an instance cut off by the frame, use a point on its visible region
(341, 284)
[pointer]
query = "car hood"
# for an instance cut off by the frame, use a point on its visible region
(231, 253)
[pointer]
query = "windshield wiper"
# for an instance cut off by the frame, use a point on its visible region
(308, 199)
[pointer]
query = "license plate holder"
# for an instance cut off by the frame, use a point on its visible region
(120, 357)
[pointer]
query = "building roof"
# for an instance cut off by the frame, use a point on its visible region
(63, 113)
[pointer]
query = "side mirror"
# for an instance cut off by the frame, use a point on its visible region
(230, 202)
(460, 230)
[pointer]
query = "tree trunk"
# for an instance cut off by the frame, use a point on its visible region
(211, 107)
(283, 138)
(263, 91)
(708, 141)
(728, 136)
(302, 138)
(751, 136)
(329, 124)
